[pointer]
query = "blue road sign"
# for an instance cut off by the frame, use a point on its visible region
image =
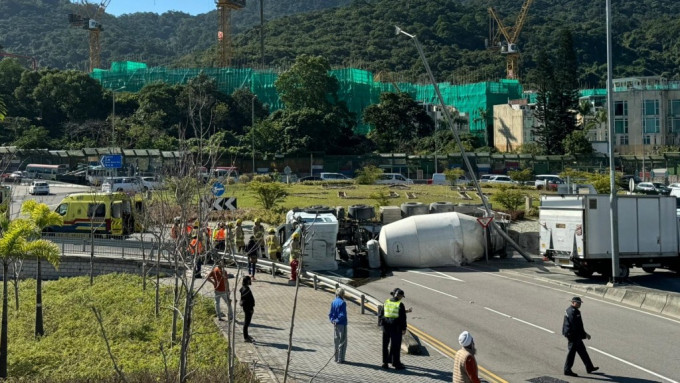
(112, 161)
(217, 189)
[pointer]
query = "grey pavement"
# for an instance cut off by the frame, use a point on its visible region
(312, 353)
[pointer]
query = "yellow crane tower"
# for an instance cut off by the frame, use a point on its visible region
(90, 22)
(224, 8)
(511, 34)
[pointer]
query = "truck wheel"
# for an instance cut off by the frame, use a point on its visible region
(584, 273)
(649, 269)
(624, 271)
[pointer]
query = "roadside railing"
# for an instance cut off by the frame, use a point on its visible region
(104, 247)
(317, 281)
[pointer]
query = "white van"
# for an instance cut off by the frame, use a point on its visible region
(440, 179)
(122, 184)
(393, 179)
(333, 176)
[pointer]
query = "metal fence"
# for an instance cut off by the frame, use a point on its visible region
(112, 247)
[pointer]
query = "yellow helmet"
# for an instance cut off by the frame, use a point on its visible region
(196, 223)
(271, 230)
(296, 235)
(231, 225)
(239, 221)
(257, 220)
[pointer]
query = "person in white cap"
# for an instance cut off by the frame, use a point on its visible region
(465, 363)
(572, 329)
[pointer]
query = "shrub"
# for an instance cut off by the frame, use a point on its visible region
(511, 199)
(368, 175)
(231, 180)
(521, 176)
(262, 178)
(268, 194)
(244, 179)
(381, 197)
(452, 175)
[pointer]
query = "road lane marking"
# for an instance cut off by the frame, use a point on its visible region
(634, 365)
(572, 293)
(429, 288)
(519, 320)
(450, 352)
(443, 276)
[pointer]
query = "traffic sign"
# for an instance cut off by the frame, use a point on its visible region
(217, 189)
(224, 204)
(112, 161)
(485, 221)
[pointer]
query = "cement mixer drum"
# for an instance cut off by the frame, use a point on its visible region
(433, 240)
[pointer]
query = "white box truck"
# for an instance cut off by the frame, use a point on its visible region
(575, 233)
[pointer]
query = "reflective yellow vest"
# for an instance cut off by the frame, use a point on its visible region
(391, 309)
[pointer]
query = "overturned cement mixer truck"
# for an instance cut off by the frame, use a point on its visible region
(411, 235)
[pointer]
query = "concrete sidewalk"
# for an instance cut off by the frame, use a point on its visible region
(312, 352)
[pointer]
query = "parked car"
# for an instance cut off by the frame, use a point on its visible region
(333, 176)
(122, 184)
(548, 181)
(309, 178)
(151, 183)
(485, 177)
(393, 179)
(500, 179)
(652, 188)
(14, 177)
(39, 187)
(674, 186)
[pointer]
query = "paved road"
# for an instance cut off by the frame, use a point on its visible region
(516, 320)
(57, 192)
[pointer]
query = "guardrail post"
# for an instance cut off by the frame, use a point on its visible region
(363, 300)
(122, 248)
(273, 269)
(316, 282)
(337, 286)
(84, 243)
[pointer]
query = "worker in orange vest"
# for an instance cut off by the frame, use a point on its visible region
(220, 237)
(197, 251)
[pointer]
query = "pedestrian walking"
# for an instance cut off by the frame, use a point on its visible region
(573, 330)
(465, 364)
(393, 321)
(248, 304)
(218, 278)
(338, 316)
(251, 253)
(196, 249)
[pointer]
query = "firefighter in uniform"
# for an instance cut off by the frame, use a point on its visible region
(220, 237)
(240, 236)
(273, 245)
(258, 233)
(229, 245)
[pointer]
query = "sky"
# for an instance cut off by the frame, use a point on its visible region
(193, 7)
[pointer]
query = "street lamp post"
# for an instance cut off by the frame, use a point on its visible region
(449, 121)
(252, 128)
(113, 116)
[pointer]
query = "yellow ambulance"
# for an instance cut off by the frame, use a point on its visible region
(105, 213)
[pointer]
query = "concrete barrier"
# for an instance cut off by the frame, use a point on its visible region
(598, 291)
(73, 266)
(655, 302)
(633, 298)
(672, 307)
(615, 294)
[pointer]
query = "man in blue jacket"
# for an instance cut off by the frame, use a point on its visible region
(338, 316)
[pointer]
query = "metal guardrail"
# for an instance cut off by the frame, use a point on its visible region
(315, 280)
(106, 247)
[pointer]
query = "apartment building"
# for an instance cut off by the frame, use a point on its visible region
(513, 124)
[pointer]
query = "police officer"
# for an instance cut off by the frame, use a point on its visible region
(273, 245)
(572, 329)
(394, 325)
(240, 236)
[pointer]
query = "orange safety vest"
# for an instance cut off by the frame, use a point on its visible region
(195, 245)
(221, 235)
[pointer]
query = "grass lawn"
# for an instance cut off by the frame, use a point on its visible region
(73, 349)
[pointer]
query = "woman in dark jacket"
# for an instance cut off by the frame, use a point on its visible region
(248, 305)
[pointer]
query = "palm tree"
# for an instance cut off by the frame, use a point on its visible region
(42, 217)
(12, 246)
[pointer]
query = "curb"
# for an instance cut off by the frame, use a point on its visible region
(660, 303)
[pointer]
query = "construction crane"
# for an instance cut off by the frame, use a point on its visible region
(511, 34)
(90, 22)
(224, 8)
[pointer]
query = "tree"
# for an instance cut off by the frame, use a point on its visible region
(368, 175)
(307, 84)
(42, 217)
(510, 199)
(398, 121)
(577, 143)
(557, 101)
(268, 194)
(452, 175)
(521, 176)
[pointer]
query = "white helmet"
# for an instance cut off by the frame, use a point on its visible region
(465, 339)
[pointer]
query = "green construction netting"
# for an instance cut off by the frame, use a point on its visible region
(357, 88)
